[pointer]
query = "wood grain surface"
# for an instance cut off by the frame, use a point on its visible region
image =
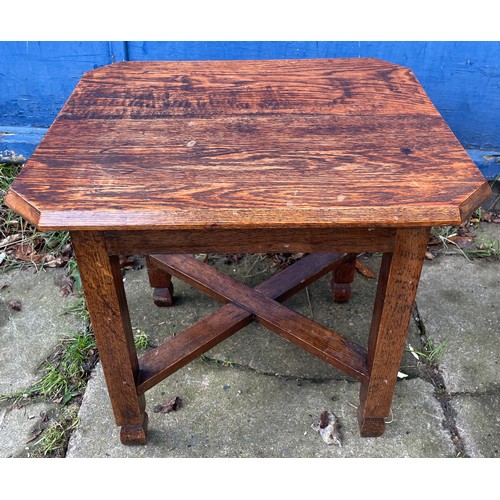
(246, 144)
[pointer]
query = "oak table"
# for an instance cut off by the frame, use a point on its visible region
(327, 157)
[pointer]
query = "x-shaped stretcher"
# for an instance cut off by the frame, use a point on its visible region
(244, 304)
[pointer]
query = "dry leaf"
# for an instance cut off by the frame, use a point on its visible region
(65, 285)
(486, 215)
(365, 270)
(462, 241)
(15, 304)
(328, 428)
(168, 406)
(35, 433)
(10, 239)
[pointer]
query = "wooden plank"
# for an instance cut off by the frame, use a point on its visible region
(305, 333)
(220, 240)
(299, 275)
(197, 88)
(176, 352)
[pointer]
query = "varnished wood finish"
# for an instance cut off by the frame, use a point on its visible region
(300, 330)
(342, 278)
(396, 291)
(246, 144)
(309, 156)
(208, 332)
(106, 302)
(275, 240)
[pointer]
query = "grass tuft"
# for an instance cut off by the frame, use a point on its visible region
(430, 353)
(64, 373)
(54, 440)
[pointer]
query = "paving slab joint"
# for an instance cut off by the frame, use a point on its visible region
(281, 376)
(431, 372)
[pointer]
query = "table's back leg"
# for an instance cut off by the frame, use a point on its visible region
(397, 288)
(342, 277)
(161, 282)
(103, 286)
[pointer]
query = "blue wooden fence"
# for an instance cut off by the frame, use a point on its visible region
(462, 79)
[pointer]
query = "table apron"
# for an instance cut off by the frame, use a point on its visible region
(269, 240)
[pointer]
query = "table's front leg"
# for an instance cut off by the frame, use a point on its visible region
(103, 287)
(397, 288)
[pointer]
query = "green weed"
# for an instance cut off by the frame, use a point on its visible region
(141, 340)
(64, 373)
(79, 309)
(430, 353)
(20, 242)
(54, 440)
(486, 248)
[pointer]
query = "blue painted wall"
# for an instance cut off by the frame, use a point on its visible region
(462, 79)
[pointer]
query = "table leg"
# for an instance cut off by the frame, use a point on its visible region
(103, 286)
(397, 288)
(161, 282)
(342, 277)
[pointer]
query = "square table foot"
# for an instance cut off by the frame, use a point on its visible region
(164, 297)
(133, 435)
(371, 427)
(341, 292)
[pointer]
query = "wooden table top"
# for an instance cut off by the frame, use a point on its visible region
(248, 144)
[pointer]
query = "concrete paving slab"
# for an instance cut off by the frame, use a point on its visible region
(262, 394)
(18, 427)
(233, 412)
(459, 302)
(478, 420)
(28, 336)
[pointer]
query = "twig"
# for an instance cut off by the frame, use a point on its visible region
(259, 258)
(444, 239)
(310, 304)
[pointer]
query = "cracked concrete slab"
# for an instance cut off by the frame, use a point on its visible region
(28, 336)
(478, 421)
(232, 412)
(458, 301)
(257, 395)
(18, 425)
